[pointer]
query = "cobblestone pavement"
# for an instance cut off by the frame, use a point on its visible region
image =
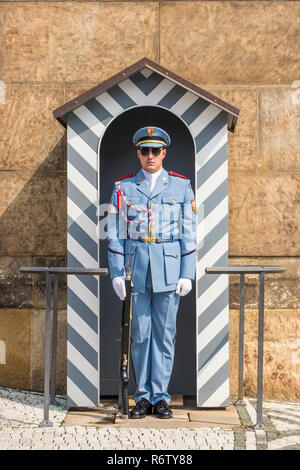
(22, 412)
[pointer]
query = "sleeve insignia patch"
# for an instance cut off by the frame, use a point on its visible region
(194, 205)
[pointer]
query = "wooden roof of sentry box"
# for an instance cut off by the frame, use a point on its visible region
(61, 113)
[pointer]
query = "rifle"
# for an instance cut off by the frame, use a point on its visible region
(125, 346)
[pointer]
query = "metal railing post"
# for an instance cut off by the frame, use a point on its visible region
(260, 351)
(46, 421)
(241, 340)
(242, 270)
(56, 271)
(54, 341)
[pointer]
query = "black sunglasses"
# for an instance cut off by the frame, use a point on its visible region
(155, 150)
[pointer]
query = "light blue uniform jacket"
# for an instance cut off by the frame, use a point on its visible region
(174, 220)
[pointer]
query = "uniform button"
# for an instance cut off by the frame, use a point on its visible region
(151, 204)
(173, 201)
(177, 254)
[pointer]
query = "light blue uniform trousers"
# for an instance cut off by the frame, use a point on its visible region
(153, 330)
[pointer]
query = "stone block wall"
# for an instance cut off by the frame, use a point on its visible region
(245, 52)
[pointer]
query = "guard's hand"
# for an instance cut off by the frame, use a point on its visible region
(119, 286)
(184, 286)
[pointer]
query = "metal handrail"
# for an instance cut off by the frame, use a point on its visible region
(232, 269)
(56, 272)
(242, 270)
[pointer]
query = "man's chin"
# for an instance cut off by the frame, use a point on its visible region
(150, 168)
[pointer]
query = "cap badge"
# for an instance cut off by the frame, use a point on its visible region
(150, 131)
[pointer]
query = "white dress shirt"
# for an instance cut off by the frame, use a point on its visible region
(151, 177)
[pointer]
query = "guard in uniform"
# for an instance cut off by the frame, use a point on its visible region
(152, 222)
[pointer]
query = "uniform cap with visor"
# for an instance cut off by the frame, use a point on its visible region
(151, 136)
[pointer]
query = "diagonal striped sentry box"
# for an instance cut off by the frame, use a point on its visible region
(208, 125)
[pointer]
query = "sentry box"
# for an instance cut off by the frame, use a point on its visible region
(100, 124)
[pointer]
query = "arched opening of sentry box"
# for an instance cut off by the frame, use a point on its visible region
(117, 157)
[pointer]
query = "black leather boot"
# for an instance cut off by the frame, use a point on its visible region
(162, 410)
(141, 409)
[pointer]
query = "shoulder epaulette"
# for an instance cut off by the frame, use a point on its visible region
(177, 174)
(127, 176)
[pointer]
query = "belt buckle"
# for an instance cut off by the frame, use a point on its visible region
(149, 239)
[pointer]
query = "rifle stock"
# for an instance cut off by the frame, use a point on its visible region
(125, 347)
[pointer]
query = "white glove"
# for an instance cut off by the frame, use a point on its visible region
(119, 286)
(184, 286)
